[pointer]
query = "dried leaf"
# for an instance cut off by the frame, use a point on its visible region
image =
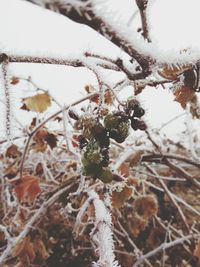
(40, 134)
(135, 158)
(39, 138)
(171, 73)
(146, 206)
(27, 186)
(37, 103)
(108, 97)
(13, 151)
(136, 224)
(51, 140)
(197, 250)
(184, 95)
(124, 169)
(41, 249)
(90, 89)
(40, 146)
(39, 169)
(24, 248)
(14, 80)
(11, 171)
(119, 198)
(195, 108)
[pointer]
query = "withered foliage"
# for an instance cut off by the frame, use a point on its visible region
(45, 185)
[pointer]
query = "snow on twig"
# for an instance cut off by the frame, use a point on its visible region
(104, 10)
(102, 234)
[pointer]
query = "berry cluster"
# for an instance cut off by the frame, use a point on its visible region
(96, 135)
(135, 112)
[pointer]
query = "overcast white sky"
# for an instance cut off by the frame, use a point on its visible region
(25, 28)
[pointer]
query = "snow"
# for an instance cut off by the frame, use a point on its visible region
(28, 29)
(169, 28)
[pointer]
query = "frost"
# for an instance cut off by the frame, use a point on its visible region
(112, 16)
(102, 234)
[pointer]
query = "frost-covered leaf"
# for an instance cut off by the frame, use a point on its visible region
(12, 151)
(146, 206)
(124, 169)
(25, 249)
(108, 96)
(43, 138)
(51, 140)
(37, 103)
(171, 73)
(197, 250)
(27, 187)
(183, 95)
(119, 198)
(14, 80)
(195, 108)
(136, 224)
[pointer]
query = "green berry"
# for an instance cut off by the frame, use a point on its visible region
(123, 131)
(106, 175)
(92, 159)
(111, 121)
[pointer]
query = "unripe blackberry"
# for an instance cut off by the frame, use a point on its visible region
(92, 159)
(120, 133)
(106, 175)
(123, 129)
(101, 135)
(105, 156)
(113, 133)
(111, 121)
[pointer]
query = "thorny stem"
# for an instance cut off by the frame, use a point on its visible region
(4, 67)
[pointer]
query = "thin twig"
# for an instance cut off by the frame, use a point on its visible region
(35, 219)
(164, 246)
(169, 194)
(142, 5)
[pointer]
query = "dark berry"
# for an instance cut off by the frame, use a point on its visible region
(105, 157)
(132, 104)
(142, 126)
(138, 112)
(134, 123)
(122, 116)
(138, 124)
(82, 141)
